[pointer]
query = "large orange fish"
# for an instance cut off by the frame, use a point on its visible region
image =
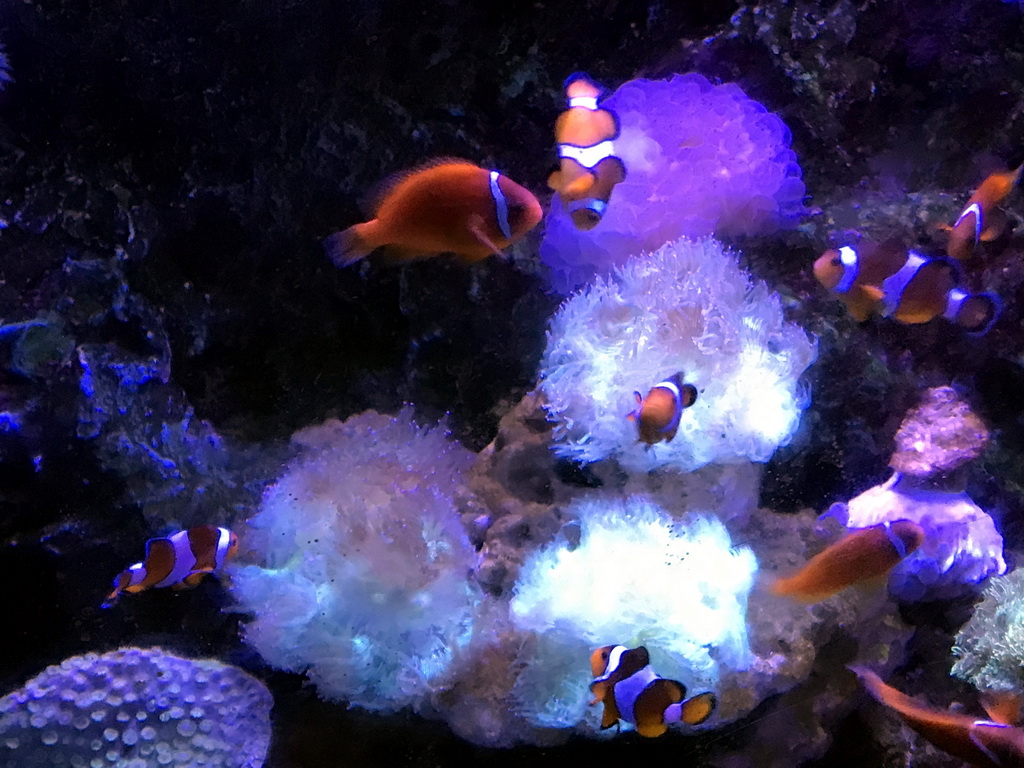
(978, 220)
(445, 206)
(588, 169)
(888, 279)
(179, 561)
(630, 690)
(982, 743)
(861, 555)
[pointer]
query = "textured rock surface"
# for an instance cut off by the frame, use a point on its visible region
(938, 437)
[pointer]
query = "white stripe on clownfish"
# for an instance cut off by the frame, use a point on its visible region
(894, 285)
(614, 658)
(974, 208)
(587, 102)
(500, 205)
(851, 268)
(590, 156)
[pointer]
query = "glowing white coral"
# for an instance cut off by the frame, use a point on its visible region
(688, 307)
(364, 583)
(700, 159)
(637, 577)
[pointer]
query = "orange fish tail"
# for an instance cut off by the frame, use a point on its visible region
(349, 246)
(978, 313)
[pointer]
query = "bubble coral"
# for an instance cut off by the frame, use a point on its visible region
(138, 708)
(701, 160)
(363, 582)
(687, 307)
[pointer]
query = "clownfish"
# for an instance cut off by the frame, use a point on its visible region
(445, 206)
(631, 690)
(588, 169)
(657, 415)
(862, 555)
(887, 279)
(981, 743)
(978, 220)
(179, 561)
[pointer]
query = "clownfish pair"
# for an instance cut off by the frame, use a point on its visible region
(981, 743)
(657, 415)
(630, 690)
(588, 169)
(445, 206)
(179, 561)
(980, 219)
(862, 555)
(887, 279)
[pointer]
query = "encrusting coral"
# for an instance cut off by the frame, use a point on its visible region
(139, 708)
(687, 307)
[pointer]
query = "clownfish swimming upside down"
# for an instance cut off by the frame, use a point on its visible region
(179, 561)
(588, 168)
(888, 279)
(445, 206)
(657, 415)
(630, 690)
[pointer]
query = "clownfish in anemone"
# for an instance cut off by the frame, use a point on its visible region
(980, 220)
(444, 206)
(657, 415)
(981, 743)
(178, 561)
(889, 280)
(860, 556)
(630, 690)
(588, 168)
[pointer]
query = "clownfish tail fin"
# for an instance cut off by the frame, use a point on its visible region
(348, 246)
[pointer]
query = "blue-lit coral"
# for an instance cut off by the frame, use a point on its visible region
(363, 575)
(138, 708)
(637, 576)
(700, 160)
(687, 307)
(989, 648)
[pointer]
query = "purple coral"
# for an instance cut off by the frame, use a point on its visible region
(701, 160)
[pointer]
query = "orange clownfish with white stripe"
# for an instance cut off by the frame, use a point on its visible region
(588, 169)
(445, 206)
(980, 219)
(630, 690)
(861, 555)
(179, 561)
(981, 743)
(657, 415)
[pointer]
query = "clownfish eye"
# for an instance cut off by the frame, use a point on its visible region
(836, 261)
(604, 655)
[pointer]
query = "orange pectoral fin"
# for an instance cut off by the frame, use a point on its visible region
(555, 181)
(476, 228)
(995, 224)
(580, 186)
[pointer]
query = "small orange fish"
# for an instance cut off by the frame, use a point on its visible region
(657, 415)
(978, 220)
(179, 561)
(589, 169)
(630, 690)
(982, 743)
(889, 280)
(445, 206)
(859, 556)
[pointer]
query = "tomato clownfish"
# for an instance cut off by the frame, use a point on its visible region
(981, 743)
(980, 219)
(657, 415)
(588, 168)
(887, 279)
(179, 561)
(445, 206)
(631, 690)
(861, 555)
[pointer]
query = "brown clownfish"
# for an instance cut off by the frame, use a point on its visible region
(981, 743)
(887, 279)
(631, 690)
(445, 206)
(980, 219)
(861, 555)
(588, 169)
(179, 561)
(657, 415)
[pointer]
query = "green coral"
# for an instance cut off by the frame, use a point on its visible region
(990, 647)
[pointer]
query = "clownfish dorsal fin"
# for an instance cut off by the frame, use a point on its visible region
(370, 203)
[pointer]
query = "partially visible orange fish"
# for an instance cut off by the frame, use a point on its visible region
(657, 416)
(861, 555)
(978, 221)
(445, 206)
(588, 169)
(982, 743)
(179, 561)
